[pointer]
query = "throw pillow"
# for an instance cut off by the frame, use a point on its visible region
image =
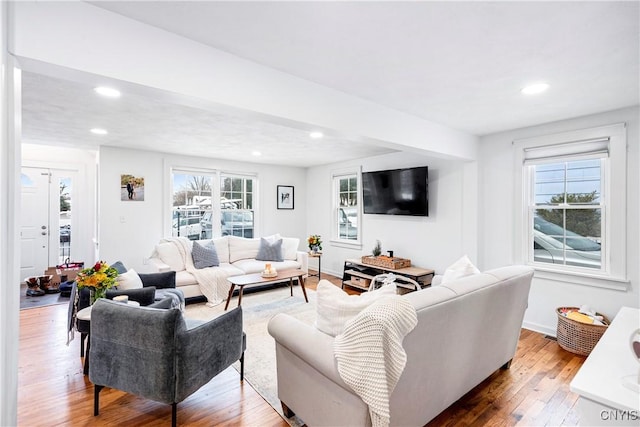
(169, 254)
(270, 251)
(119, 266)
(128, 280)
(461, 268)
(335, 307)
(204, 256)
(163, 280)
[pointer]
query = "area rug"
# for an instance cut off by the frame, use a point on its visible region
(40, 301)
(260, 356)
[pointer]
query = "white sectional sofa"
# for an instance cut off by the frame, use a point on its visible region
(236, 255)
(467, 329)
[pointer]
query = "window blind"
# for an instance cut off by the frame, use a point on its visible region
(582, 150)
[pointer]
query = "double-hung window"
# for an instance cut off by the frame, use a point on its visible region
(191, 203)
(206, 205)
(573, 189)
(237, 194)
(346, 208)
(567, 212)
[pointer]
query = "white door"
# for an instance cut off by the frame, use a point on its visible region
(45, 219)
(34, 222)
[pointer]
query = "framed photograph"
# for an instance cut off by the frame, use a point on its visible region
(131, 188)
(285, 196)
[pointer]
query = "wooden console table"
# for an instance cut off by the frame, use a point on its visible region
(359, 275)
(605, 399)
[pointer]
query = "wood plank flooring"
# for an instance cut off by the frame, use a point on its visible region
(52, 391)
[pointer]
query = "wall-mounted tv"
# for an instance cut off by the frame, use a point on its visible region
(396, 192)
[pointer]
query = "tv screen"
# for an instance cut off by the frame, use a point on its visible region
(396, 192)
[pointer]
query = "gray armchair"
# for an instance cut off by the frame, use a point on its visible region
(124, 351)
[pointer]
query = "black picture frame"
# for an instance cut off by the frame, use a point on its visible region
(285, 195)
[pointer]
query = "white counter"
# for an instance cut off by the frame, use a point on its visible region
(604, 398)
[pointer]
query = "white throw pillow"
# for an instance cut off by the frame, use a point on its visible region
(461, 268)
(335, 307)
(289, 245)
(222, 247)
(242, 248)
(170, 255)
(128, 280)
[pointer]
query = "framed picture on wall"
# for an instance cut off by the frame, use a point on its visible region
(131, 188)
(285, 196)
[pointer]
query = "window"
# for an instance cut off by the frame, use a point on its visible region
(346, 208)
(237, 205)
(196, 214)
(573, 223)
(566, 213)
(191, 204)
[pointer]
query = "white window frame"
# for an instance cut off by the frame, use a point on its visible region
(215, 193)
(613, 275)
(254, 192)
(335, 189)
(216, 211)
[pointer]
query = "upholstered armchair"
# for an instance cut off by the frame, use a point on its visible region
(124, 351)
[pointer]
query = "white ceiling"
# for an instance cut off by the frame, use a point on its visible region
(461, 64)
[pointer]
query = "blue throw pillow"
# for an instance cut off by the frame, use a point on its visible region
(204, 256)
(270, 251)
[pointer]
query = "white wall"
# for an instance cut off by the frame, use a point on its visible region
(9, 230)
(498, 209)
(433, 242)
(130, 230)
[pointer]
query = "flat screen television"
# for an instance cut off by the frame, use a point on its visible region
(396, 192)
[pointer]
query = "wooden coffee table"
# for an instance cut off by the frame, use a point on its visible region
(257, 279)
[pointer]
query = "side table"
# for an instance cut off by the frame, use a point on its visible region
(317, 255)
(85, 314)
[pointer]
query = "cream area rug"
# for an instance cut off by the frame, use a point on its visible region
(260, 356)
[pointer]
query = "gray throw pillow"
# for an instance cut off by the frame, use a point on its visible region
(270, 251)
(204, 256)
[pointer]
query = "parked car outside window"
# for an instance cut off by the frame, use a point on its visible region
(189, 227)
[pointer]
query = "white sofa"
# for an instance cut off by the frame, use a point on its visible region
(467, 329)
(236, 254)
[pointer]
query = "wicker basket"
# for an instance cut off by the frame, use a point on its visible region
(392, 263)
(578, 337)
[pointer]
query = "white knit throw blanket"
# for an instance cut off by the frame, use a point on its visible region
(213, 283)
(370, 354)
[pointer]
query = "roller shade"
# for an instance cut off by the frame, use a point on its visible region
(575, 150)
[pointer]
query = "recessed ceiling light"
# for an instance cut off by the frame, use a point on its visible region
(107, 91)
(316, 135)
(256, 153)
(535, 88)
(99, 131)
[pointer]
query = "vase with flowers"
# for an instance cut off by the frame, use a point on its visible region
(315, 243)
(97, 278)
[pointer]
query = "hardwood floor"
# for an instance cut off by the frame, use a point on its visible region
(52, 389)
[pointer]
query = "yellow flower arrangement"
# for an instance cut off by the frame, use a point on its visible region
(98, 278)
(315, 240)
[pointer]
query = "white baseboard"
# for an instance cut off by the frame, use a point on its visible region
(542, 329)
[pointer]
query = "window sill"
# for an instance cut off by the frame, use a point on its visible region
(346, 244)
(585, 279)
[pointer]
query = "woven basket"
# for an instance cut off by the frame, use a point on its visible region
(578, 337)
(386, 262)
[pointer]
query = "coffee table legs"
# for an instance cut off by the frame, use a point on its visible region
(229, 297)
(241, 289)
(304, 291)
